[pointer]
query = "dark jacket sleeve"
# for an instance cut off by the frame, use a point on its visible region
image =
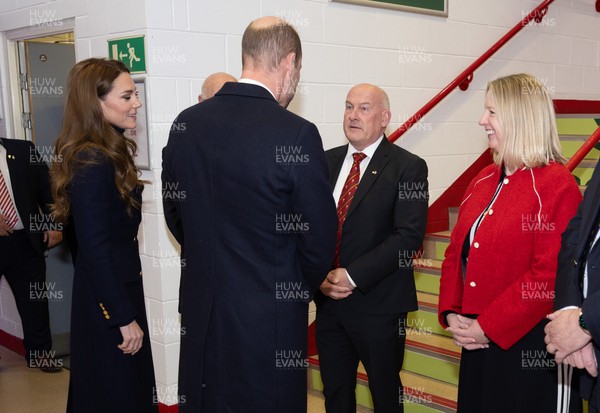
(169, 195)
(410, 220)
(313, 199)
(92, 192)
(567, 278)
(568, 290)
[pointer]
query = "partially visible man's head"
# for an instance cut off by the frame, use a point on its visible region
(366, 116)
(213, 83)
(271, 47)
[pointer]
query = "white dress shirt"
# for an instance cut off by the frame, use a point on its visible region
(347, 166)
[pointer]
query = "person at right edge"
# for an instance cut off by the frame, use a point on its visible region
(499, 271)
(574, 331)
(381, 191)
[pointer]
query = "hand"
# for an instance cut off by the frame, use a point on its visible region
(584, 359)
(5, 230)
(337, 285)
(53, 238)
(467, 332)
(563, 334)
(132, 338)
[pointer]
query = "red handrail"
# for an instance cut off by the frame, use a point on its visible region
(466, 76)
(583, 150)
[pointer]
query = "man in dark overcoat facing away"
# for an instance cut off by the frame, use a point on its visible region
(248, 182)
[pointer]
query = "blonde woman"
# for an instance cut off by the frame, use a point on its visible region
(499, 272)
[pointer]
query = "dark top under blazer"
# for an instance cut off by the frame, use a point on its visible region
(232, 189)
(30, 183)
(385, 224)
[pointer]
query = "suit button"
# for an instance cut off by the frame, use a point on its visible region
(490, 212)
(473, 284)
(476, 244)
(574, 263)
(140, 273)
(506, 181)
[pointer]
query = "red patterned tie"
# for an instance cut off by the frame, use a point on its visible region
(346, 199)
(7, 208)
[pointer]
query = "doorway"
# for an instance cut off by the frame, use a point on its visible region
(43, 66)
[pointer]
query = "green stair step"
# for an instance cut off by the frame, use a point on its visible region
(435, 245)
(428, 366)
(569, 147)
(427, 321)
(583, 174)
(423, 394)
(576, 126)
(427, 280)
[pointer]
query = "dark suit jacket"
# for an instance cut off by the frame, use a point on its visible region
(30, 184)
(571, 266)
(385, 226)
(248, 180)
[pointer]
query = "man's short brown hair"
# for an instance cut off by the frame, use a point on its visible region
(265, 47)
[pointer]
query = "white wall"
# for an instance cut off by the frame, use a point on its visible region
(412, 56)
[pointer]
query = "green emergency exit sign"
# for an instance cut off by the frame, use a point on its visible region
(130, 51)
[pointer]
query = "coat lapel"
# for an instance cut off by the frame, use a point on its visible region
(380, 159)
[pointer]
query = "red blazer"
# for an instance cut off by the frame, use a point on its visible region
(512, 265)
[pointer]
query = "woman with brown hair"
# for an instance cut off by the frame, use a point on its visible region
(96, 186)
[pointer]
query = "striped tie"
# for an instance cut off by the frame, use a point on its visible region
(7, 208)
(346, 199)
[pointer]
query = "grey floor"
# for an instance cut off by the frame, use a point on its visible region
(24, 390)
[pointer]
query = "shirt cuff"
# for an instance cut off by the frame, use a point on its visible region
(350, 278)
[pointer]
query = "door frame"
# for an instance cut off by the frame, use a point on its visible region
(9, 71)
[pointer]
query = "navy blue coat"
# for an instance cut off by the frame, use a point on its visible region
(107, 294)
(245, 188)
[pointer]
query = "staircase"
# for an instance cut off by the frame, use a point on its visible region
(573, 132)
(431, 361)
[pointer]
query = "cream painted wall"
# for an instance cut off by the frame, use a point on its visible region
(411, 56)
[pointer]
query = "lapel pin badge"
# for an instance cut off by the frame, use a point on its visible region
(374, 172)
